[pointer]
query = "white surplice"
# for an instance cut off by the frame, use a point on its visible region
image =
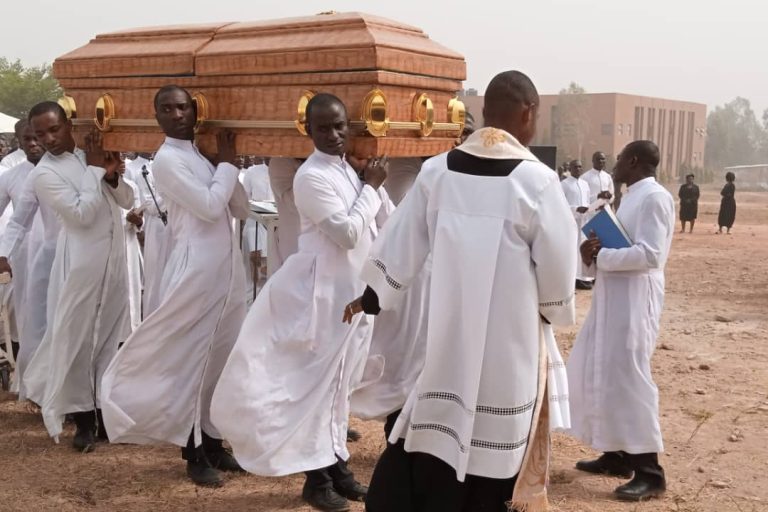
(13, 159)
(614, 401)
(576, 192)
(88, 291)
(598, 181)
(159, 386)
(283, 399)
(499, 248)
(158, 239)
(281, 174)
(35, 226)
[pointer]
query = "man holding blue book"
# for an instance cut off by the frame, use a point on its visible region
(614, 401)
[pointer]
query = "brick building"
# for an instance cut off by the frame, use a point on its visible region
(609, 121)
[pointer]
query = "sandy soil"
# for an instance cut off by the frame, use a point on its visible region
(711, 368)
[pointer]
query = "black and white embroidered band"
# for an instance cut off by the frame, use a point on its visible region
(482, 409)
(561, 302)
(440, 428)
(391, 282)
(475, 443)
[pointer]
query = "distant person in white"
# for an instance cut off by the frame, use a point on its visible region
(600, 182)
(576, 191)
(281, 174)
(88, 291)
(158, 238)
(159, 386)
(614, 401)
(14, 158)
(19, 254)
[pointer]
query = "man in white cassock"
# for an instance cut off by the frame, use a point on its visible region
(12, 184)
(599, 180)
(87, 295)
(576, 192)
(157, 236)
(283, 399)
(474, 432)
(18, 156)
(281, 174)
(132, 223)
(159, 386)
(614, 401)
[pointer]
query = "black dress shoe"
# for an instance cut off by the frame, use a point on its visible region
(203, 474)
(354, 491)
(606, 464)
(224, 461)
(84, 441)
(325, 498)
(353, 436)
(583, 285)
(639, 489)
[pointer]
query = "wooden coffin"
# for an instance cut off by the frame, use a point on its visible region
(255, 78)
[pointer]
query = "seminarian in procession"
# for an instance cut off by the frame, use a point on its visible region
(418, 272)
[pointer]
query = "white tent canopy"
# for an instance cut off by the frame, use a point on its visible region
(7, 123)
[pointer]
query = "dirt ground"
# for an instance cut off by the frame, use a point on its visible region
(711, 368)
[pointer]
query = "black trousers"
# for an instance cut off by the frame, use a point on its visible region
(645, 465)
(418, 482)
(194, 453)
(338, 474)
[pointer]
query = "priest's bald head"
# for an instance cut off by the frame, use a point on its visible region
(638, 160)
(510, 104)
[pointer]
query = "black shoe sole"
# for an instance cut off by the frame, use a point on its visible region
(635, 498)
(605, 472)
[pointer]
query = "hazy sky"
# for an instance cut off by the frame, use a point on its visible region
(708, 51)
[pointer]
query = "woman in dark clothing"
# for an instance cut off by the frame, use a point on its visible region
(689, 202)
(727, 204)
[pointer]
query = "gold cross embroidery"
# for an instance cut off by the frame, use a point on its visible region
(492, 136)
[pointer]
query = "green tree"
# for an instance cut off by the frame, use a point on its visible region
(734, 135)
(22, 87)
(571, 121)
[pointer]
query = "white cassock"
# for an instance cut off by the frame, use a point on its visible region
(88, 291)
(159, 386)
(13, 159)
(614, 401)
(283, 399)
(257, 187)
(500, 248)
(281, 174)
(36, 227)
(598, 181)
(158, 239)
(402, 173)
(576, 192)
(11, 188)
(133, 260)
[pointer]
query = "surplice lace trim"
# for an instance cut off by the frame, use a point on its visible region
(474, 443)
(561, 302)
(483, 409)
(390, 281)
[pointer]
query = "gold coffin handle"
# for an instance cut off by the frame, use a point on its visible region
(374, 113)
(301, 111)
(202, 110)
(105, 112)
(67, 102)
(423, 112)
(457, 113)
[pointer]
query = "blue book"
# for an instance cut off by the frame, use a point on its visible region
(608, 229)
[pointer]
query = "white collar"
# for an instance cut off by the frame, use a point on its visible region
(496, 144)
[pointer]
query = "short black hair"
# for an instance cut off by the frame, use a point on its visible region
(646, 151)
(19, 127)
(168, 88)
(45, 107)
(729, 176)
(594, 155)
(323, 99)
(690, 176)
(510, 87)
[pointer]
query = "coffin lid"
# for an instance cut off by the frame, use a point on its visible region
(322, 43)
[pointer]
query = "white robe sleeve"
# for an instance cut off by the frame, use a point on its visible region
(239, 206)
(318, 201)
(5, 197)
(21, 221)
(73, 206)
(553, 237)
(179, 184)
(123, 193)
(387, 207)
(649, 246)
(611, 189)
(399, 252)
